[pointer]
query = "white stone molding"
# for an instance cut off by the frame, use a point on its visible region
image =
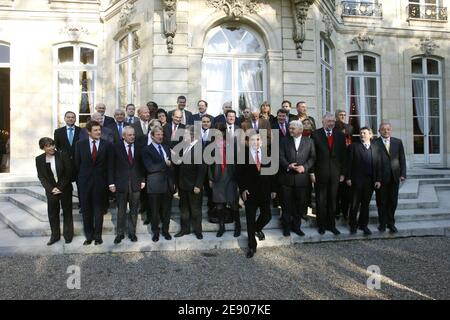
(427, 46)
(170, 22)
(363, 41)
(235, 8)
(328, 25)
(126, 14)
(300, 13)
(74, 31)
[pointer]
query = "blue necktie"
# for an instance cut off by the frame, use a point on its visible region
(71, 136)
(120, 130)
(130, 120)
(161, 151)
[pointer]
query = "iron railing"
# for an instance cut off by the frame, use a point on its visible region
(427, 12)
(365, 9)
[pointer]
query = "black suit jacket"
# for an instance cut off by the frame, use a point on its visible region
(191, 174)
(221, 119)
(393, 164)
(276, 126)
(108, 120)
(196, 117)
(121, 172)
(93, 177)
(64, 169)
(62, 141)
(160, 177)
(107, 134)
(305, 156)
(138, 129)
(330, 165)
(356, 166)
(167, 129)
(115, 132)
(189, 118)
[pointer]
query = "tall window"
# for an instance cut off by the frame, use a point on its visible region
(76, 72)
(127, 66)
(363, 91)
(427, 9)
(326, 68)
(426, 104)
(234, 69)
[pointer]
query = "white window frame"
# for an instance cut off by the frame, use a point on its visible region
(324, 66)
(235, 58)
(362, 75)
(76, 67)
(7, 64)
(128, 60)
(428, 158)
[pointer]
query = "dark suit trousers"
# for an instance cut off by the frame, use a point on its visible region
(208, 192)
(191, 211)
(93, 210)
(343, 200)
(387, 199)
(124, 198)
(255, 201)
(160, 207)
(54, 204)
(361, 195)
(294, 206)
(145, 205)
(326, 204)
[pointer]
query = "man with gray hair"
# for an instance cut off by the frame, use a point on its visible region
(329, 170)
(118, 125)
(107, 133)
(101, 108)
(297, 157)
(222, 118)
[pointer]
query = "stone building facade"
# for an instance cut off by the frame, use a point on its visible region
(377, 59)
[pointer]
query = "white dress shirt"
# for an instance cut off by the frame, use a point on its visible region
(68, 132)
(51, 160)
(157, 149)
(126, 148)
(144, 126)
(205, 134)
(230, 129)
(91, 145)
(253, 152)
(297, 142)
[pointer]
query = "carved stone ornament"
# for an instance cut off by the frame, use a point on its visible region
(235, 8)
(427, 45)
(363, 41)
(300, 13)
(126, 13)
(74, 31)
(170, 22)
(328, 26)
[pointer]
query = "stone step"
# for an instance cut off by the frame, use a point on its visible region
(427, 199)
(13, 245)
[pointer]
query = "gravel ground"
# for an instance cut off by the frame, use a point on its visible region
(411, 268)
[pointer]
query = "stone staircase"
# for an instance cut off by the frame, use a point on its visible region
(423, 209)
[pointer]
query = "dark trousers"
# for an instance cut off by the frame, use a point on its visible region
(160, 207)
(387, 199)
(93, 208)
(54, 204)
(294, 205)
(124, 198)
(191, 211)
(255, 201)
(343, 200)
(326, 204)
(208, 192)
(144, 205)
(361, 195)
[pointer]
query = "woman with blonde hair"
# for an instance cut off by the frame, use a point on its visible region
(265, 112)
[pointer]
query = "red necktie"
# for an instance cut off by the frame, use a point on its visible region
(224, 157)
(94, 151)
(258, 163)
(330, 139)
(130, 155)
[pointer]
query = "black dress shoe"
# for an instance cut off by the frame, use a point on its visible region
(353, 230)
(67, 241)
(392, 229)
(98, 242)
(366, 231)
(286, 232)
(87, 242)
(299, 232)
(52, 241)
(155, 238)
(180, 234)
(167, 236)
(250, 253)
(237, 232)
(321, 231)
(199, 236)
(261, 236)
(221, 230)
(133, 238)
(118, 239)
(381, 228)
(335, 231)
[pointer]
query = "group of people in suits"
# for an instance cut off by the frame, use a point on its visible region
(137, 159)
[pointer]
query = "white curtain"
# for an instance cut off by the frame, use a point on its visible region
(250, 74)
(418, 102)
(218, 84)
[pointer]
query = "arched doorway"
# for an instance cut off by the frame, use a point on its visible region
(4, 107)
(234, 68)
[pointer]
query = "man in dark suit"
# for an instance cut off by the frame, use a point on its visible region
(281, 124)
(302, 114)
(141, 127)
(54, 169)
(66, 137)
(170, 130)
(222, 118)
(393, 172)
(126, 179)
(191, 179)
(91, 160)
(363, 176)
(107, 133)
(186, 116)
(206, 135)
(329, 170)
(160, 182)
(202, 111)
(256, 189)
(256, 124)
(118, 125)
(287, 105)
(106, 120)
(130, 110)
(297, 158)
